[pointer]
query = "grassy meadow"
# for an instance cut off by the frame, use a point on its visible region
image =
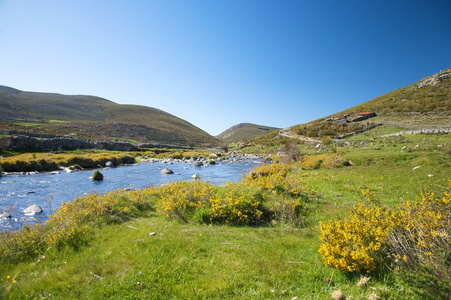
(256, 239)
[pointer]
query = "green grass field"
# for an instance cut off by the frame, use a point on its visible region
(151, 257)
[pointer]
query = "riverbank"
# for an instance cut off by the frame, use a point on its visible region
(50, 189)
(33, 163)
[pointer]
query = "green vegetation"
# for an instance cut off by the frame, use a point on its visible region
(413, 98)
(363, 217)
(54, 161)
(94, 118)
(258, 238)
(244, 132)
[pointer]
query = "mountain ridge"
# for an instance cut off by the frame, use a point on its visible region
(76, 114)
(244, 131)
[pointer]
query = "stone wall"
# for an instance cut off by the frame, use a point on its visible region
(68, 143)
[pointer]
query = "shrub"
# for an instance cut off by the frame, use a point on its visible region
(238, 206)
(357, 243)
(316, 161)
(71, 224)
(421, 246)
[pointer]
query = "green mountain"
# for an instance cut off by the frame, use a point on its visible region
(94, 118)
(426, 103)
(244, 131)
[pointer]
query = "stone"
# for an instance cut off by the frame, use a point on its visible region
(33, 209)
(97, 176)
(167, 171)
(109, 164)
(195, 176)
(198, 164)
(4, 215)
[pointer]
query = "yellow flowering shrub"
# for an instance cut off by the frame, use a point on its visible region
(268, 177)
(356, 243)
(181, 199)
(311, 162)
(421, 245)
(70, 225)
(239, 206)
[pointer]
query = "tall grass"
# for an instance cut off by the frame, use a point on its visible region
(51, 162)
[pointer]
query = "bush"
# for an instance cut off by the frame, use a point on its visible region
(357, 243)
(71, 224)
(421, 246)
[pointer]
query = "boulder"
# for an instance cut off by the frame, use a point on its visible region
(198, 164)
(109, 164)
(97, 176)
(167, 171)
(4, 215)
(33, 209)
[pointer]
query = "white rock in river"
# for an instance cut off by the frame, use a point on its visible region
(4, 215)
(33, 209)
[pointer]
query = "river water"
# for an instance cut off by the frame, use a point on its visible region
(49, 191)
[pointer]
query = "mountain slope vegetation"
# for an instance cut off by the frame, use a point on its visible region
(244, 131)
(426, 103)
(94, 118)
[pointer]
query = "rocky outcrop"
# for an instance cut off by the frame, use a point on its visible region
(64, 143)
(434, 79)
(52, 142)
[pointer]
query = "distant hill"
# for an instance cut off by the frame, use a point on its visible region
(94, 118)
(244, 131)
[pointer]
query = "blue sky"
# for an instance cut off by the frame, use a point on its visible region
(217, 63)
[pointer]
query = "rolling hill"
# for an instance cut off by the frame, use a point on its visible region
(244, 131)
(94, 118)
(426, 103)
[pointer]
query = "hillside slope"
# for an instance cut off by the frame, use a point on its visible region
(244, 131)
(93, 118)
(426, 103)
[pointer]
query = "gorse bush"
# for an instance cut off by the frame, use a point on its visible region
(266, 193)
(357, 243)
(414, 241)
(312, 162)
(421, 246)
(202, 202)
(51, 162)
(239, 205)
(181, 199)
(71, 224)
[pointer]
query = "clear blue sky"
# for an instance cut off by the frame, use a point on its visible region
(216, 63)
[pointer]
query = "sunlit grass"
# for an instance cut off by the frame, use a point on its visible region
(129, 253)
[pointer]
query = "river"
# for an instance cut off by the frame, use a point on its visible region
(49, 191)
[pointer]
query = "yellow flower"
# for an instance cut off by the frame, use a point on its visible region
(8, 277)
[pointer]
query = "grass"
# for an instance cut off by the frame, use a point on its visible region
(187, 261)
(94, 118)
(153, 257)
(244, 131)
(54, 161)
